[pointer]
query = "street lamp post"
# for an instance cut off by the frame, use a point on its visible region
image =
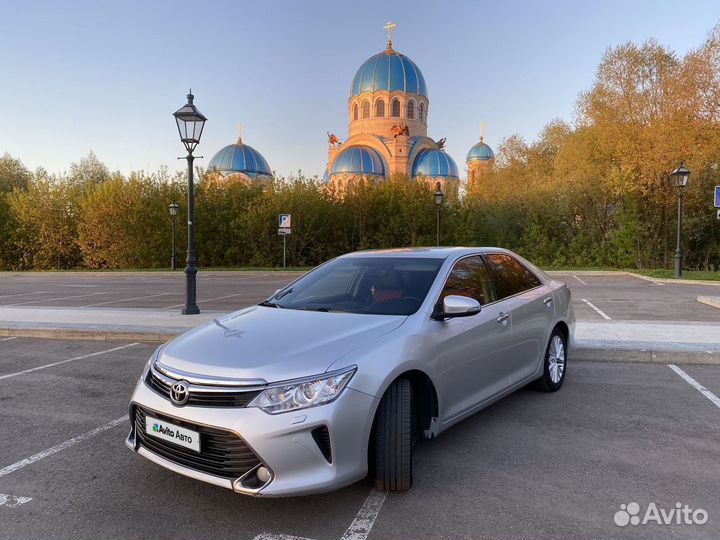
(174, 208)
(438, 203)
(680, 181)
(190, 123)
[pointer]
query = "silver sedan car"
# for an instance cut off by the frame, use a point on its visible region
(337, 375)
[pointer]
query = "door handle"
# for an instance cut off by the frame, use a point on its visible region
(503, 317)
(548, 301)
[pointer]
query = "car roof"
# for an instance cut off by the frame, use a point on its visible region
(424, 252)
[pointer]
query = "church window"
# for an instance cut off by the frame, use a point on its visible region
(411, 109)
(355, 112)
(421, 115)
(366, 109)
(395, 107)
(379, 108)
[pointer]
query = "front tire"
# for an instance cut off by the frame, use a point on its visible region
(394, 438)
(555, 364)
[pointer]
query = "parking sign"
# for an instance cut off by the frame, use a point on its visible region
(717, 196)
(284, 224)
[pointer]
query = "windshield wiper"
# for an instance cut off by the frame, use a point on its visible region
(268, 303)
(283, 293)
(323, 309)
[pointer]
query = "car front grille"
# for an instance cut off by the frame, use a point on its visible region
(222, 453)
(203, 397)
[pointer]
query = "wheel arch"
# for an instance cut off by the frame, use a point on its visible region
(425, 398)
(565, 329)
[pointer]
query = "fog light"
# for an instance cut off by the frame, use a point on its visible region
(263, 474)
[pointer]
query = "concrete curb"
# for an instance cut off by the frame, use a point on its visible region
(633, 274)
(713, 301)
(88, 335)
(583, 354)
(646, 356)
(675, 281)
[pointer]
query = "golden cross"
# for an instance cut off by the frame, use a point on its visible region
(389, 27)
(239, 128)
(482, 130)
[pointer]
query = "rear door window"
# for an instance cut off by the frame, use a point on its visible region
(510, 276)
(469, 277)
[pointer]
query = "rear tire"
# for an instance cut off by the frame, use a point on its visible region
(555, 363)
(394, 438)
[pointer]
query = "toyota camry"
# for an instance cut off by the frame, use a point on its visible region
(338, 374)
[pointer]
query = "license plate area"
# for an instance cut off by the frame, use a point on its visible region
(172, 433)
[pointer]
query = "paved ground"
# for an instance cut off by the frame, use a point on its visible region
(624, 297)
(217, 291)
(595, 297)
(533, 465)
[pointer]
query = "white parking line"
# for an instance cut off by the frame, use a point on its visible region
(53, 299)
(210, 299)
(84, 356)
(360, 527)
(59, 447)
(24, 294)
(8, 338)
(12, 501)
(580, 280)
(602, 313)
(699, 387)
(272, 536)
(128, 299)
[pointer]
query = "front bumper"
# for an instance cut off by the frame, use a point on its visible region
(283, 442)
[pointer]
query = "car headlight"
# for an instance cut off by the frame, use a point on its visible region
(307, 392)
(153, 358)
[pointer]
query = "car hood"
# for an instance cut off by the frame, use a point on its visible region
(272, 344)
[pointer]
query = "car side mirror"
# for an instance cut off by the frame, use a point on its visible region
(456, 306)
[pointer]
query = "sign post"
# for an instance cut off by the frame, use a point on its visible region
(284, 229)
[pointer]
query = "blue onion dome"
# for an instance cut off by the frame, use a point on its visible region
(240, 158)
(480, 152)
(358, 160)
(389, 70)
(433, 163)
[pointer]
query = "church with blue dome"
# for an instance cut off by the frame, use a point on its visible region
(479, 160)
(239, 162)
(388, 111)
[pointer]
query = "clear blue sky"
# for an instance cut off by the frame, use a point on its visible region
(106, 75)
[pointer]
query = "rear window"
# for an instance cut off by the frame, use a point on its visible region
(510, 276)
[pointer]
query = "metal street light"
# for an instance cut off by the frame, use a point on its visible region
(190, 123)
(438, 203)
(174, 210)
(680, 181)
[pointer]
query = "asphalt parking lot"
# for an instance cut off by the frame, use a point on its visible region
(595, 297)
(533, 465)
(217, 291)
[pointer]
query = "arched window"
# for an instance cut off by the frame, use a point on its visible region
(355, 112)
(421, 115)
(395, 108)
(379, 108)
(411, 109)
(366, 109)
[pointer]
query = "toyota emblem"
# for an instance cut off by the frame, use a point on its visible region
(180, 392)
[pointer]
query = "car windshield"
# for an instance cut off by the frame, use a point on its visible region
(372, 285)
